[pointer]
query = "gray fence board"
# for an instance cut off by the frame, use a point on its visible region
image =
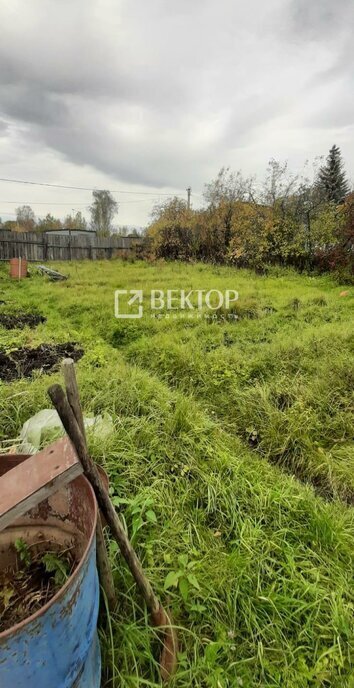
(44, 247)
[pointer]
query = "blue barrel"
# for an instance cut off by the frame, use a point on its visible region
(57, 647)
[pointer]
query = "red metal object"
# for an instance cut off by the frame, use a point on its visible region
(8, 461)
(32, 481)
(18, 268)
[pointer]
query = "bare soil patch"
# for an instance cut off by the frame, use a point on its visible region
(12, 321)
(46, 357)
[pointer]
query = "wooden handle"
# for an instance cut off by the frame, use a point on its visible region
(68, 419)
(72, 392)
(104, 568)
(103, 565)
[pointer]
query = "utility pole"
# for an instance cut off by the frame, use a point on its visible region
(189, 191)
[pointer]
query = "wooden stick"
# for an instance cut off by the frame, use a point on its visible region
(168, 658)
(68, 419)
(103, 565)
(72, 392)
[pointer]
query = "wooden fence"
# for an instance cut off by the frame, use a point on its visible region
(43, 247)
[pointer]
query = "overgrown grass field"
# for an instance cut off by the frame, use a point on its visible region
(231, 461)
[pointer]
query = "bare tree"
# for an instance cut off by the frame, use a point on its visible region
(279, 183)
(228, 186)
(171, 209)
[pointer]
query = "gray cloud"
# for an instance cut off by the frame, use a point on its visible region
(33, 105)
(162, 94)
(321, 19)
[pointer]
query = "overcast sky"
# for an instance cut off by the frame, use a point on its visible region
(156, 95)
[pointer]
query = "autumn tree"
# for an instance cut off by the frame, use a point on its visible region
(25, 218)
(11, 226)
(296, 204)
(76, 221)
(287, 220)
(227, 186)
(220, 195)
(170, 230)
(48, 223)
(103, 209)
(251, 227)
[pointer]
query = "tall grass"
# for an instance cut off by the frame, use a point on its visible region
(206, 417)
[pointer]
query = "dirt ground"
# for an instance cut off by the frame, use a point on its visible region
(46, 357)
(12, 321)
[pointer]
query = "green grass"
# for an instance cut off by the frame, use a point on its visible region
(231, 460)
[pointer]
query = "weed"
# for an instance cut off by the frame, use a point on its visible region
(56, 565)
(23, 552)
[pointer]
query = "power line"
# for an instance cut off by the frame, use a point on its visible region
(44, 202)
(75, 203)
(84, 188)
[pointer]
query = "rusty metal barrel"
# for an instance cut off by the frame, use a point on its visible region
(57, 647)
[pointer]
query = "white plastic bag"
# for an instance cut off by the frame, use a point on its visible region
(45, 427)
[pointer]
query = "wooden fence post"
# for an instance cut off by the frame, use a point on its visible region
(45, 246)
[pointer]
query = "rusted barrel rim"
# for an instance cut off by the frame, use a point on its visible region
(62, 591)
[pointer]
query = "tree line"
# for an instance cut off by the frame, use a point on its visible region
(289, 220)
(103, 210)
